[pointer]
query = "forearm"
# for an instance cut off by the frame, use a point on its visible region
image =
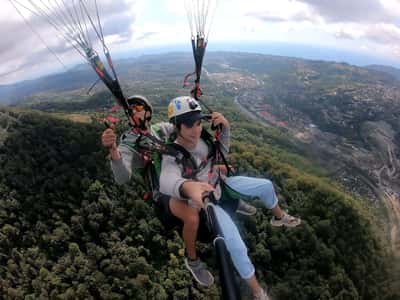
(184, 189)
(114, 154)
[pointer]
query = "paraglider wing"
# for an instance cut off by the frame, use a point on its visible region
(78, 23)
(200, 15)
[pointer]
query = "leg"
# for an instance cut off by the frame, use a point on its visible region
(237, 249)
(256, 188)
(253, 283)
(264, 190)
(190, 218)
(258, 292)
(277, 211)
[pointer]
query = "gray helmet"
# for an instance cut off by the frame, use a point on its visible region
(138, 99)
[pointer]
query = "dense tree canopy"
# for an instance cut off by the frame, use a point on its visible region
(68, 232)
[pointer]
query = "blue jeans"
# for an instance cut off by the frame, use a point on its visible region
(234, 243)
(260, 188)
(254, 188)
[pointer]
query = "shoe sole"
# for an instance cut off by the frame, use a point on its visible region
(195, 277)
(246, 213)
(284, 224)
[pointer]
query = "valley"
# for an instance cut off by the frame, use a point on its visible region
(343, 117)
(363, 154)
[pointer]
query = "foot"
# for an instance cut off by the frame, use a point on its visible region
(199, 272)
(262, 295)
(286, 220)
(245, 208)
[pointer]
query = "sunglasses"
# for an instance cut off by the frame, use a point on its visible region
(138, 107)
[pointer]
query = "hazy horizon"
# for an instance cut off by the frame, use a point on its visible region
(279, 49)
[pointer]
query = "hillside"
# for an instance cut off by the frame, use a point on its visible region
(386, 69)
(344, 118)
(326, 119)
(148, 69)
(68, 232)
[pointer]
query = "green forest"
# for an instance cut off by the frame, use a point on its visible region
(67, 231)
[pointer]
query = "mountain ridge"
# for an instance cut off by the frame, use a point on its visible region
(82, 76)
(342, 116)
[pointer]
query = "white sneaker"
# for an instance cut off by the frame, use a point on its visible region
(262, 296)
(245, 208)
(286, 220)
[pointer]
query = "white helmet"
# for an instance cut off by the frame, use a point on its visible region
(186, 110)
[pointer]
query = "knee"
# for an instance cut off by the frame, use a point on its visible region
(268, 184)
(268, 194)
(268, 187)
(236, 247)
(234, 242)
(241, 259)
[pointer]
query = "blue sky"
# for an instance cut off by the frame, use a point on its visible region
(369, 29)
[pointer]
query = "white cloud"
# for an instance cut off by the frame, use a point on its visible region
(359, 25)
(372, 22)
(343, 34)
(383, 33)
(176, 7)
(361, 11)
(392, 7)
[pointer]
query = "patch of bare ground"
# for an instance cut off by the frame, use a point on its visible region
(392, 204)
(79, 118)
(5, 121)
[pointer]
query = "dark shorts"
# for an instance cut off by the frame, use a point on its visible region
(164, 213)
(171, 222)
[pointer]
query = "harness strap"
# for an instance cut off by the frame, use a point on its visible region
(218, 154)
(149, 144)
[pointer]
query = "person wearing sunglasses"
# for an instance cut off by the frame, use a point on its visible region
(123, 155)
(187, 189)
(142, 112)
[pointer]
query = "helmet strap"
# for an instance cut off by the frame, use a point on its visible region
(141, 124)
